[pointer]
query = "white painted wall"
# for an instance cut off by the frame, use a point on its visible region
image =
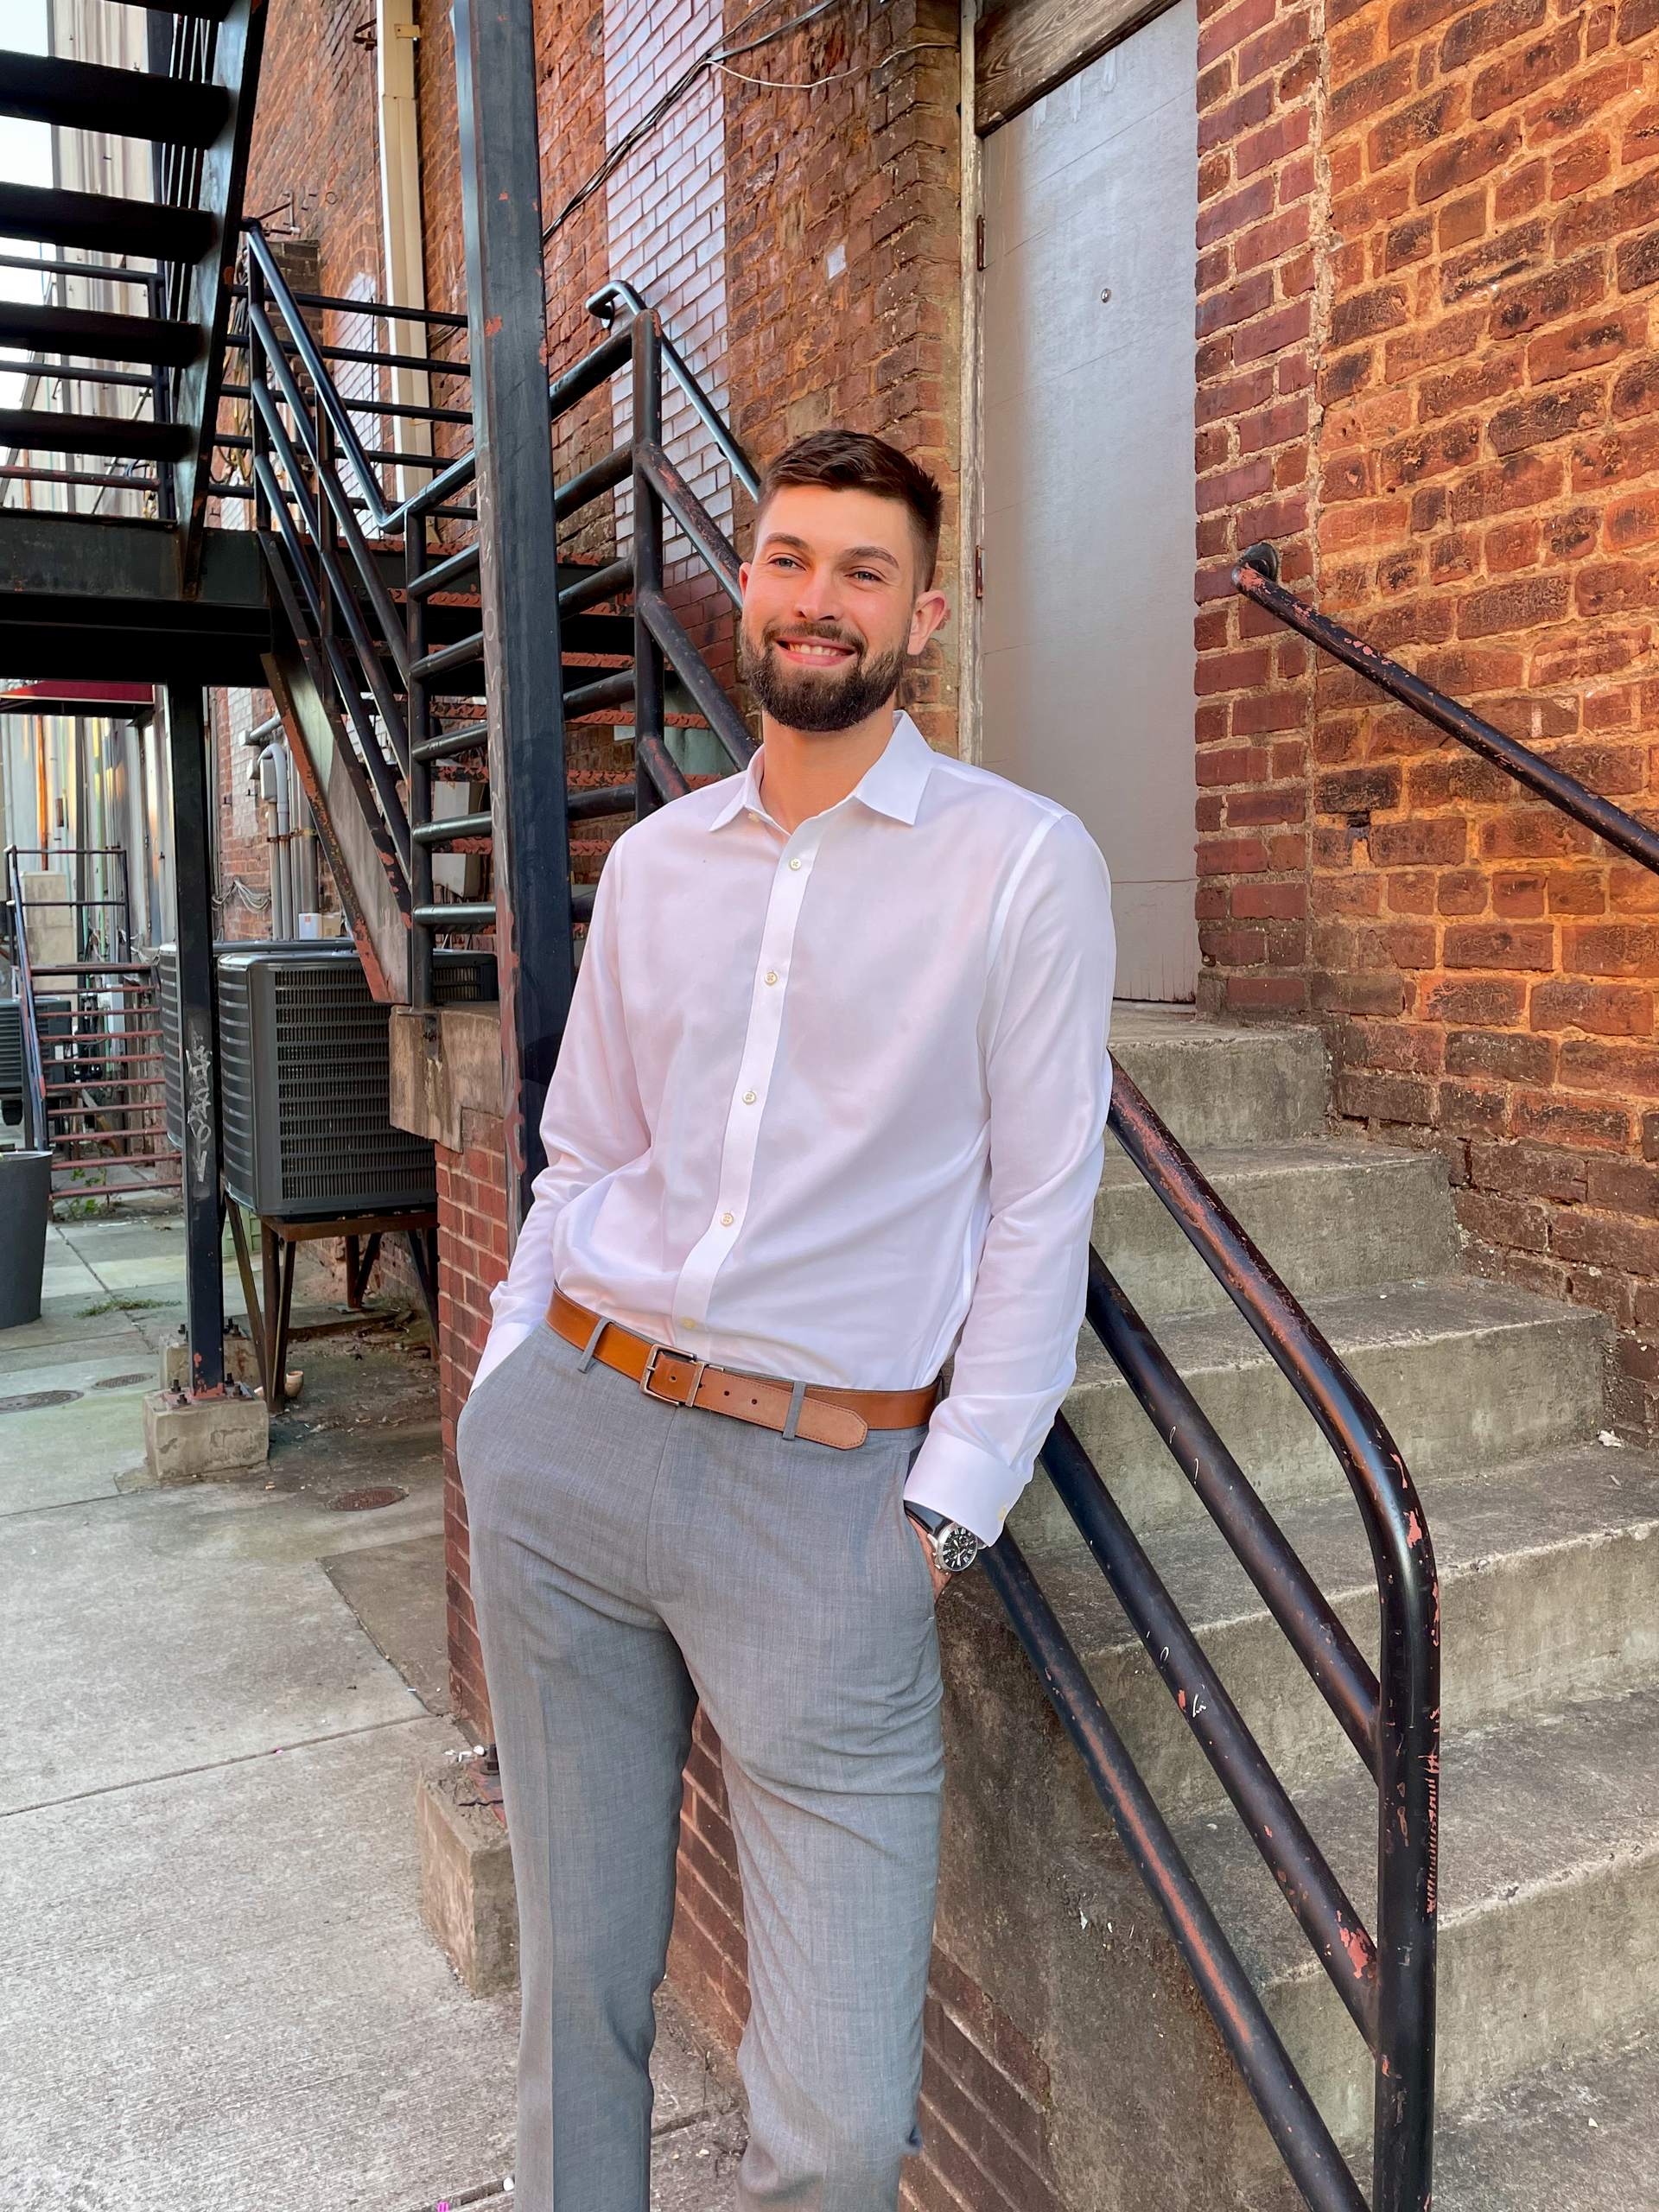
(1088, 477)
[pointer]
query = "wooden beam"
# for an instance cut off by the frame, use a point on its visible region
(1024, 49)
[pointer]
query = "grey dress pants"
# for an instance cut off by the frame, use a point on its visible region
(628, 1559)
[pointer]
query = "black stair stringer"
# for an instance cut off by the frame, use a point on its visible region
(357, 849)
(237, 50)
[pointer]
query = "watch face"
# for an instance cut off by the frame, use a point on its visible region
(956, 1547)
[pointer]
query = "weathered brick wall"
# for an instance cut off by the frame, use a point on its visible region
(1487, 508)
(843, 262)
(313, 166)
(472, 1259)
(1261, 210)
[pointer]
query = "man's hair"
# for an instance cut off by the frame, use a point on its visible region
(852, 460)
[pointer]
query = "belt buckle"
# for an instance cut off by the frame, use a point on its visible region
(698, 1367)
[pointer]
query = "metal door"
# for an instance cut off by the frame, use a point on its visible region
(1091, 198)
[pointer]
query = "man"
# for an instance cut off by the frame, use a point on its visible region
(830, 1106)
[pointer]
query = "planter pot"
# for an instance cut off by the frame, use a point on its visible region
(25, 1202)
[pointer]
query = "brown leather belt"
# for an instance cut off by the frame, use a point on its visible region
(841, 1418)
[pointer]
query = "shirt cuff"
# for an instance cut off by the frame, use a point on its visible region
(964, 1482)
(505, 1336)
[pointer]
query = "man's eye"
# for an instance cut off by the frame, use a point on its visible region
(867, 576)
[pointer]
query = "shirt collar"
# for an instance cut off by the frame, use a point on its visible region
(892, 785)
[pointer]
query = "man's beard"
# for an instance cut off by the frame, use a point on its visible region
(819, 701)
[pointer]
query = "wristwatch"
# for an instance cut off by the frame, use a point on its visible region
(954, 1547)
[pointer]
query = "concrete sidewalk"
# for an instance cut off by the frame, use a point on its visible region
(222, 1997)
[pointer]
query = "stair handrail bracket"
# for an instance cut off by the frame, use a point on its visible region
(1406, 1765)
(1256, 577)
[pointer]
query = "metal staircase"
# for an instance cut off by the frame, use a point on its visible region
(173, 253)
(381, 671)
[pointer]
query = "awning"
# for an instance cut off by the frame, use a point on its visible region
(77, 696)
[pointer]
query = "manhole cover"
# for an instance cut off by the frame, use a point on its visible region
(119, 1381)
(35, 1398)
(364, 1501)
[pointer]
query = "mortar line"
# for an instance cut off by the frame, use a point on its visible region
(216, 1766)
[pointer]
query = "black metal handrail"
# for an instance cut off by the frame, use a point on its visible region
(1256, 578)
(1388, 1985)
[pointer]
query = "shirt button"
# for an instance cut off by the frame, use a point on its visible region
(771, 974)
(727, 1219)
(795, 863)
(686, 1322)
(753, 816)
(749, 1098)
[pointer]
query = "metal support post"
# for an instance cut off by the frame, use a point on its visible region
(198, 1073)
(496, 77)
(648, 729)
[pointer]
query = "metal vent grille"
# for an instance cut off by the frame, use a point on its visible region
(338, 1146)
(305, 1082)
(167, 975)
(11, 1047)
(237, 1084)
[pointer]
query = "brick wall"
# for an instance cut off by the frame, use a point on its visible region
(472, 1259)
(843, 263)
(985, 2089)
(1483, 500)
(1261, 205)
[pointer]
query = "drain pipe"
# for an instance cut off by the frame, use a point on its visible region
(273, 790)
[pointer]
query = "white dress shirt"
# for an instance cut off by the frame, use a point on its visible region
(830, 1105)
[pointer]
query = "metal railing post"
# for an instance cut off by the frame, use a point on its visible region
(198, 1043)
(419, 714)
(649, 715)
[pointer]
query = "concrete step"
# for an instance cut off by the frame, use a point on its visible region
(1213, 1085)
(1466, 1373)
(1549, 1590)
(1548, 1905)
(1329, 1216)
(1576, 2136)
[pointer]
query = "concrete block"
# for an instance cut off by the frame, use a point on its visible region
(241, 1362)
(191, 1440)
(443, 1066)
(467, 1898)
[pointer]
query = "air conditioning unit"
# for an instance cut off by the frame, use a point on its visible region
(304, 1081)
(166, 978)
(12, 1060)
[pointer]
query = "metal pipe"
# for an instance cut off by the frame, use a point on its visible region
(1292, 2120)
(1256, 577)
(1408, 1734)
(693, 518)
(695, 673)
(1322, 1908)
(601, 304)
(1285, 1587)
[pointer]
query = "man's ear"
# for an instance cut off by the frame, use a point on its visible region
(743, 576)
(930, 613)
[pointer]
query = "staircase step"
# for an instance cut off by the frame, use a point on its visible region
(33, 429)
(1217, 1085)
(103, 224)
(85, 96)
(90, 336)
(1466, 1373)
(1332, 1215)
(1548, 1903)
(1577, 2136)
(1549, 1590)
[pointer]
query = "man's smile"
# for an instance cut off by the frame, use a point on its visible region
(814, 652)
